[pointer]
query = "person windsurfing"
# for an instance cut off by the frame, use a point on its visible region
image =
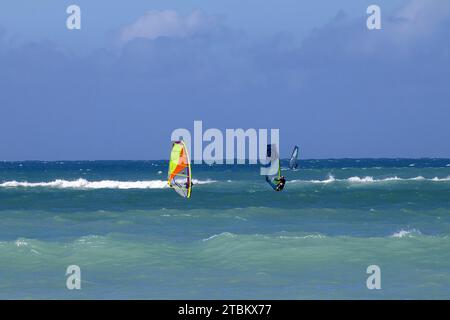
(293, 165)
(280, 183)
(179, 176)
(277, 184)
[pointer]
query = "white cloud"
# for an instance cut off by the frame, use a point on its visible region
(419, 18)
(415, 25)
(419, 10)
(167, 23)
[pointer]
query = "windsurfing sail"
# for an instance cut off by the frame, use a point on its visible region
(272, 153)
(293, 160)
(180, 174)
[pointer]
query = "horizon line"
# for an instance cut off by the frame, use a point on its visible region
(234, 160)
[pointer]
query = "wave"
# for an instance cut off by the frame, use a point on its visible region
(330, 179)
(406, 233)
(369, 179)
(229, 235)
(223, 234)
(160, 184)
(103, 184)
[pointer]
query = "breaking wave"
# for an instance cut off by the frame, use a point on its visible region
(229, 235)
(406, 233)
(369, 179)
(85, 184)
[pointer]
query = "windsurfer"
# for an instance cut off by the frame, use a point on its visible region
(280, 183)
(277, 184)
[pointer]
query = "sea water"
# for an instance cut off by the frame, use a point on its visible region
(133, 237)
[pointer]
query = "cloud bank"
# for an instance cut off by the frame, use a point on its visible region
(167, 23)
(344, 91)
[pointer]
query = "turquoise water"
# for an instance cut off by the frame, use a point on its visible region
(235, 238)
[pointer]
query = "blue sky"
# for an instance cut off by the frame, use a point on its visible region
(117, 88)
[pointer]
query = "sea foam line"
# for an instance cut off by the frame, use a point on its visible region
(265, 237)
(103, 184)
(369, 179)
(406, 233)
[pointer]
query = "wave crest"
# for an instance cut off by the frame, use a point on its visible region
(369, 179)
(406, 233)
(103, 184)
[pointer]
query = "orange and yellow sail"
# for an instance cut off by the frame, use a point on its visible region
(179, 176)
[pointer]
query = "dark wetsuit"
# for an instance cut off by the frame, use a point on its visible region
(280, 184)
(276, 184)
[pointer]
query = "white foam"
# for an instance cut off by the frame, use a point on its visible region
(21, 243)
(436, 179)
(330, 179)
(360, 180)
(419, 178)
(103, 184)
(195, 181)
(369, 179)
(223, 234)
(405, 233)
(393, 179)
(309, 236)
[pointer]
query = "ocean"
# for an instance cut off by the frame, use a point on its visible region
(235, 238)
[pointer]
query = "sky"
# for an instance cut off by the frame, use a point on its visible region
(118, 87)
